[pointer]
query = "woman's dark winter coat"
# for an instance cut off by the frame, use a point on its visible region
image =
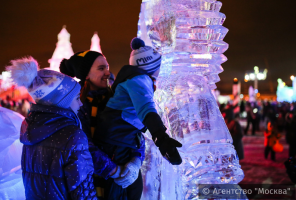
(103, 165)
(56, 162)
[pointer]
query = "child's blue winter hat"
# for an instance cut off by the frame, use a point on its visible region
(144, 57)
(47, 87)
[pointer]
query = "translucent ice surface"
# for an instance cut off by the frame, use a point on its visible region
(189, 35)
(11, 183)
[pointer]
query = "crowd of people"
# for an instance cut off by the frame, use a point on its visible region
(273, 119)
(21, 106)
(84, 140)
(265, 111)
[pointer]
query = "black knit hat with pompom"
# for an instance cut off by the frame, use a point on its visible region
(79, 64)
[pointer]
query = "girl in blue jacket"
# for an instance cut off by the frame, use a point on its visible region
(56, 162)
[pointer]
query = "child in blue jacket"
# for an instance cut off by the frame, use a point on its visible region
(131, 111)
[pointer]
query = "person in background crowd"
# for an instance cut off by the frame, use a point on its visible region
(271, 136)
(236, 131)
(250, 119)
(222, 107)
(92, 69)
(242, 106)
(271, 112)
(18, 106)
(8, 103)
(280, 122)
(56, 162)
(258, 115)
(291, 133)
(25, 107)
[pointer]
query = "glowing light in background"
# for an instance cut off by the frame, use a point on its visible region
(256, 74)
(247, 77)
(285, 93)
(6, 80)
(95, 43)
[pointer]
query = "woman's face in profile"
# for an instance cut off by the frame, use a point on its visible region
(99, 73)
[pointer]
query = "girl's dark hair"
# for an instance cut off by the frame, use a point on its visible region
(84, 90)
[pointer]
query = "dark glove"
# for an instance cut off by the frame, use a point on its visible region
(167, 146)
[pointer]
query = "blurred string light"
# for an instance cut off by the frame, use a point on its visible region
(241, 96)
(257, 74)
(292, 77)
(255, 110)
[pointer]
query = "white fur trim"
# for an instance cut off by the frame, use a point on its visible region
(23, 71)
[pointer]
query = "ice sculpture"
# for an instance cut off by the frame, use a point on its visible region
(189, 34)
(63, 50)
(285, 93)
(11, 182)
(95, 43)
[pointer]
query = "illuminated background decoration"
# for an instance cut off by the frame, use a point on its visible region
(95, 43)
(63, 50)
(285, 93)
(255, 76)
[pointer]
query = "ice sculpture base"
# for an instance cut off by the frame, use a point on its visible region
(203, 164)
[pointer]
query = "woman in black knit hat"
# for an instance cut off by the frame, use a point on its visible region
(92, 69)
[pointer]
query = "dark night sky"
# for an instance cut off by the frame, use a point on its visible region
(261, 32)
